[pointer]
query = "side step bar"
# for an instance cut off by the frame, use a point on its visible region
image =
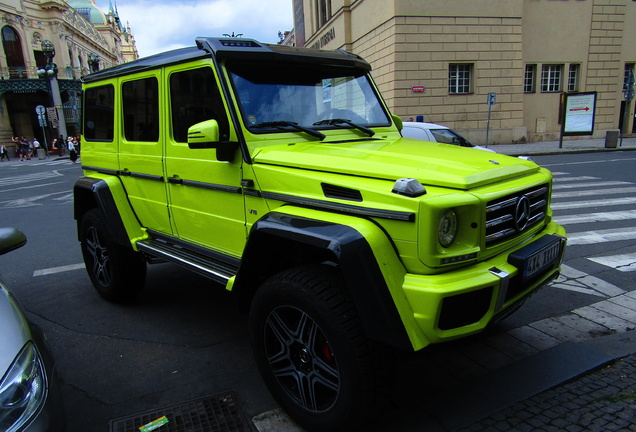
(206, 266)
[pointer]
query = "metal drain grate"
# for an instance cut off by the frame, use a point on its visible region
(216, 413)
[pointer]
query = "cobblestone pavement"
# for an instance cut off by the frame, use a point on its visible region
(604, 400)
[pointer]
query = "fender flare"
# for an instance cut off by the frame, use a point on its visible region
(290, 237)
(108, 195)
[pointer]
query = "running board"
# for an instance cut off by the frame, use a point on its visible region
(213, 269)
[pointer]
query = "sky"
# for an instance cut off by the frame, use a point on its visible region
(162, 25)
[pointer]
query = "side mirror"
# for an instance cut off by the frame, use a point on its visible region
(398, 122)
(205, 135)
(10, 239)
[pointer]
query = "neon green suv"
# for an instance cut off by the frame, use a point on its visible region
(280, 174)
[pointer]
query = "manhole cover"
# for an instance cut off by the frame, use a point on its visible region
(216, 413)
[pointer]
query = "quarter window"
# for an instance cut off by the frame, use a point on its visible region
(141, 110)
(459, 78)
(99, 107)
(551, 77)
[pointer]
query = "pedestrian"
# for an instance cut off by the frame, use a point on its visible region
(71, 150)
(60, 145)
(35, 144)
(4, 152)
(24, 149)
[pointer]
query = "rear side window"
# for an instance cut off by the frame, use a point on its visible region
(140, 100)
(195, 97)
(99, 109)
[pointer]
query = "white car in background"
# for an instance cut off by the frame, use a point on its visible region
(437, 133)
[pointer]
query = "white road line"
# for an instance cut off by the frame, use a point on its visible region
(592, 192)
(624, 263)
(29, 178)
(569, 179)
(601, 236)
(560, 186)
(578, 281)
(596, 217)
(595, 203)
(61, 269)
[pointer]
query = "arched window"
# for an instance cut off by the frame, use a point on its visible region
(13, 50)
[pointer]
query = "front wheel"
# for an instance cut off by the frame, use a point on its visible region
(311, 349)
(117, 273)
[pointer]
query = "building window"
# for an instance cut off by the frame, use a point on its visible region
(551, 78)
(459, 78)
(13, 51)
(573, 78)
(530, 78)
(323, 12)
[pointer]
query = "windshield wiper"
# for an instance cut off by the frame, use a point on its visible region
(283, 123)
(337, 121)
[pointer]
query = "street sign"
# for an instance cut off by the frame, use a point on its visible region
(492, 98)
(40, 110)
(579, 111)
(52, 114)
(418, 89)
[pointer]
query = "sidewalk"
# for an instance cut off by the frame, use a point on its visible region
(571, 146)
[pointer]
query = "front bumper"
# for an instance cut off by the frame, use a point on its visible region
(463, 302)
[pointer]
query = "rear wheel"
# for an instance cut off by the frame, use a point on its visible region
(118, 273)
(311, 349)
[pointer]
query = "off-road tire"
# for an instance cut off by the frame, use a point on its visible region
(311, 349)
(118, 273)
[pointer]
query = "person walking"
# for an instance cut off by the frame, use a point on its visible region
(4, 152)
(24, 149)
(35, 146)
(71, 150)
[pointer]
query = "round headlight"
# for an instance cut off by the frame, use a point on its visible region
(447, 229)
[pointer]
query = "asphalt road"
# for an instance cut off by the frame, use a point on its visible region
(184, 339)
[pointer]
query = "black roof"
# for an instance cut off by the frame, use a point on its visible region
(234, 48)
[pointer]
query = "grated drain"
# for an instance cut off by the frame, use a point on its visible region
(216, 413)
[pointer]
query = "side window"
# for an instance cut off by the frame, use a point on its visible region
(195, 97)
(99, 104)
(140, 100)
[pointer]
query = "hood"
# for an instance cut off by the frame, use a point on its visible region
(433, 164)
(15, 329)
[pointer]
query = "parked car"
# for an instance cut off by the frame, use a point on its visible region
(30, 398)
(437, 133)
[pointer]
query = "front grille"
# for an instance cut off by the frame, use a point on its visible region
(514, 214)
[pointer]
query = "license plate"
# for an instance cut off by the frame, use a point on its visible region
(542, 259)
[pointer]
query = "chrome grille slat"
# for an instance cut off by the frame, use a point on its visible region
(529, 206)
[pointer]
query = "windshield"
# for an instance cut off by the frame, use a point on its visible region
(279, 97)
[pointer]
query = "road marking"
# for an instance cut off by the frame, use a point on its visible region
(624, 263)
(596, 217)
(560, 186)
(578, 281)
(29, 201)
(567, 179)
(29, 178)
(592, 192)
(595, 203)
(61, 269)
(601, 236)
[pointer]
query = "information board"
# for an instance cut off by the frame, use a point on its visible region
(579, 110)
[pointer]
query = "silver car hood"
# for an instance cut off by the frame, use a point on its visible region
(15, 329)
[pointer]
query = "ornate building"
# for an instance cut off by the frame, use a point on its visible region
(47, 46)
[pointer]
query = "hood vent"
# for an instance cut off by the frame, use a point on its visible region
(339, 192)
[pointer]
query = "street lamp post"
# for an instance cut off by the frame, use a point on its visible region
(50, 73)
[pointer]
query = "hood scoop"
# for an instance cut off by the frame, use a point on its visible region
(340, 192)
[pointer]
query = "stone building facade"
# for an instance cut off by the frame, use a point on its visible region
(441, 59)
(83, 38)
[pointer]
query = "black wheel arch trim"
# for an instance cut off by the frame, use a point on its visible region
(99, 196)
(340, 244)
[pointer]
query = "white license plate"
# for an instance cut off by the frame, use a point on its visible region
(542, 259)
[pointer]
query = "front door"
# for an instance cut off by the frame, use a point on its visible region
(205, 200)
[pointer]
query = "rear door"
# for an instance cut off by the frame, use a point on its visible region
(140, 150)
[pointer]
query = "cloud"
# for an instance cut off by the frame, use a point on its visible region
(159, 26)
